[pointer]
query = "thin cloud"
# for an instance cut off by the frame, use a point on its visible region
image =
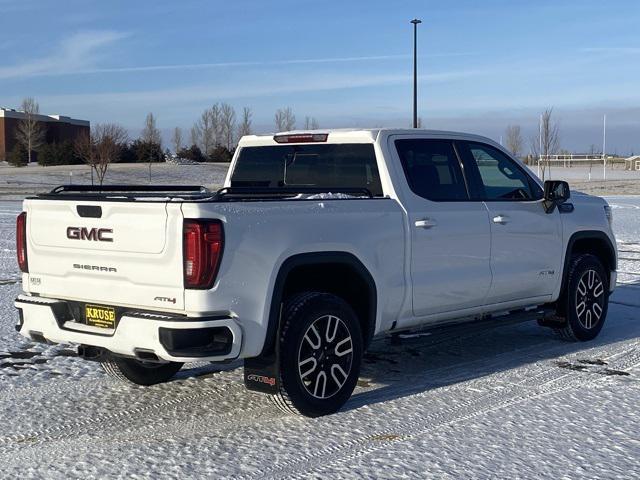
(74, 54)
(199, 66)
(77, 55)
(11, 6)
(266, 87)
(631, 50)
(211, 65)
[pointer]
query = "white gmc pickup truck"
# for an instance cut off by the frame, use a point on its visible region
(318, 242)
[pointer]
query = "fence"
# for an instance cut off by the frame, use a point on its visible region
(570, 159)
(629, 268)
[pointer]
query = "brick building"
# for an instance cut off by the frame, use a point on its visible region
(57, 127)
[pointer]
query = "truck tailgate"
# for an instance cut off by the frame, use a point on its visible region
(107, 252)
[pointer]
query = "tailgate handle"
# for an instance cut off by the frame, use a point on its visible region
(89, 211)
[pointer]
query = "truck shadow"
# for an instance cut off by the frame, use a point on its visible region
(406, 366)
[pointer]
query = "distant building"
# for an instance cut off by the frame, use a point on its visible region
(57, 127)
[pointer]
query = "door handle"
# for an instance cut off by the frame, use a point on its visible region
(425, 223)
(501, 219)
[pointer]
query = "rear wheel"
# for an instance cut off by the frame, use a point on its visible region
(586, 299)
(320, 354)
(138, 372)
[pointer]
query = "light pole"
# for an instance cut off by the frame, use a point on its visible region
(415, 22)
(604, 148)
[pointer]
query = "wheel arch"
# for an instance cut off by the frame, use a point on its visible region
(590, 241)
(340, 273)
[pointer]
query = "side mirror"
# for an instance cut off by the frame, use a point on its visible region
(556, 192)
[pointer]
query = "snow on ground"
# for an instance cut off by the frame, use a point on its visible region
(592, 180)
(36, 179)
(15, 182)
(509, 402)
(596, 173)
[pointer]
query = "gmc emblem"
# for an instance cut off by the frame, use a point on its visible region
(93, 234)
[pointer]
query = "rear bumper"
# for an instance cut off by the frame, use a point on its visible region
(174, 339)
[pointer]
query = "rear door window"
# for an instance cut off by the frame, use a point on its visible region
(432, 169)
(326, 165)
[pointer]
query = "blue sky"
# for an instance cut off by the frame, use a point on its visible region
(483, 64)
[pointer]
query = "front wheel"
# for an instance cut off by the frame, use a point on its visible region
(586, 299)
(139, 372)
(320, 354)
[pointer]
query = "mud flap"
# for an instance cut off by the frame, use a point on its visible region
(261, 374)
(552, 321)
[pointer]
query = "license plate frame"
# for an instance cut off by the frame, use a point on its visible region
(100, 316)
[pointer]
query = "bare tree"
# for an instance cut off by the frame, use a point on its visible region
(205, 133)
(150, 132)
(102, 147)
(547, 142)
(310, 123)
(195, 135)
(207, 130)
(514, 140)
(227, 125)
(30, 133)
(84, 148)
(151, 136)
(534, 155)
(244, 128)
(550, 137)
(279, 119)
(176, 139)
(285, 119)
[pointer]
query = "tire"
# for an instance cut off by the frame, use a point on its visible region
(138, 372)
(320, 354)
(583, 308)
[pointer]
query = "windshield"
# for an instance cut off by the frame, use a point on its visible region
(313, 165)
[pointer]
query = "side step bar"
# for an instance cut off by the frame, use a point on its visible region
(443, 332)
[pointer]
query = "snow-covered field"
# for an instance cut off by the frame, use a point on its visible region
(595, 174)
(509, 402)
(593, 180)
(36, 179)
(16, 182)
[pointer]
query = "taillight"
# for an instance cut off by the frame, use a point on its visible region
(21, 242)
(302, 138)
(203, 243)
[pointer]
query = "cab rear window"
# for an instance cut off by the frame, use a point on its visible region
(326, 165)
